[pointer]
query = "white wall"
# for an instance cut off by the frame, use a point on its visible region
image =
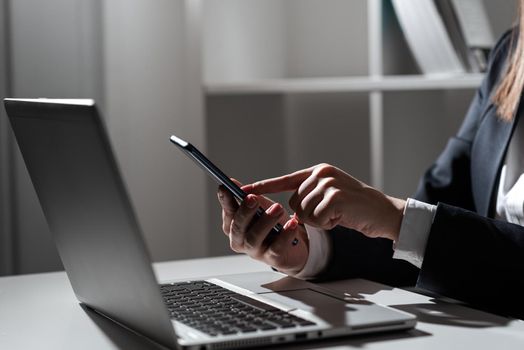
(257, 39)
(326, 38)
(137, 59)
(244, 39)
(502, 14)
(151, 92)
(417, 126)
(53, 54)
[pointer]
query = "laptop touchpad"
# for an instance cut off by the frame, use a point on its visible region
(306, 299)
(334, 311)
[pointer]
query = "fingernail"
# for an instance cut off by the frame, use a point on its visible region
(251, 202)
(291, 225)
(275, 210)
(295, 217)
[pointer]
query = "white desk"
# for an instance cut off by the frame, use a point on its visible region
(41, 312)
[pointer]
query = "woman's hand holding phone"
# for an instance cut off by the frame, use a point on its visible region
(324, 196)
(248, 234)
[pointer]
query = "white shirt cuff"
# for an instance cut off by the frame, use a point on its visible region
(510, 205)
(414, 232)
(319, 253)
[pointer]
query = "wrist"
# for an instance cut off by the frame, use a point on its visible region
(297, 256)
(397, 208)
(400, 207)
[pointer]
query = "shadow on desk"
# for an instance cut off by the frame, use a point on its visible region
(356, 341)
(451, 314)
(121, 337)
(436, 311)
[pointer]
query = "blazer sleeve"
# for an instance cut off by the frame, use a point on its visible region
(448, 180)
(475, 259)
(354, 255)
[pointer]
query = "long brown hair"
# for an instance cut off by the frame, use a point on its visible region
(507, 95)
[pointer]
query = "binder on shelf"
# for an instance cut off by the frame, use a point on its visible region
(476, 31)
(427, 37)
(446, 36)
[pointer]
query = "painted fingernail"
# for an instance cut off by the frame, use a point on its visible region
(251, 202)
(275, 210)
(295, 217)
(291, 225)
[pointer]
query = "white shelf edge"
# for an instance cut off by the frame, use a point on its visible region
(344, 84)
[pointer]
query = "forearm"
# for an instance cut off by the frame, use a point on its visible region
(353, 255)
(475, 259)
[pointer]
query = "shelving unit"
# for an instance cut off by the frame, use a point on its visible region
(300, 66)
(375, 85)
(343, 84)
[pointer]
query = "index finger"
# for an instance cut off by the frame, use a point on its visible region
(285, 183)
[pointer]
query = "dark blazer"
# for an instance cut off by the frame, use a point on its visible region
(469, 255)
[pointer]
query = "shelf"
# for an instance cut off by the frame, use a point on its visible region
(345, 84)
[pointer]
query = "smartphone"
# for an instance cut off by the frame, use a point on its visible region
(217, 174)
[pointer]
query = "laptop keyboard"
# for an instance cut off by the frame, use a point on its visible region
(215, 310)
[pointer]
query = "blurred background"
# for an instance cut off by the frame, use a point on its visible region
(264, 87)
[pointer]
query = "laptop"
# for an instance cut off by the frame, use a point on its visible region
(67, 152)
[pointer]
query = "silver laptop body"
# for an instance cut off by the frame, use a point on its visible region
(67, 152)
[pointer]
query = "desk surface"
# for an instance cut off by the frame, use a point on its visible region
(40, 311)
